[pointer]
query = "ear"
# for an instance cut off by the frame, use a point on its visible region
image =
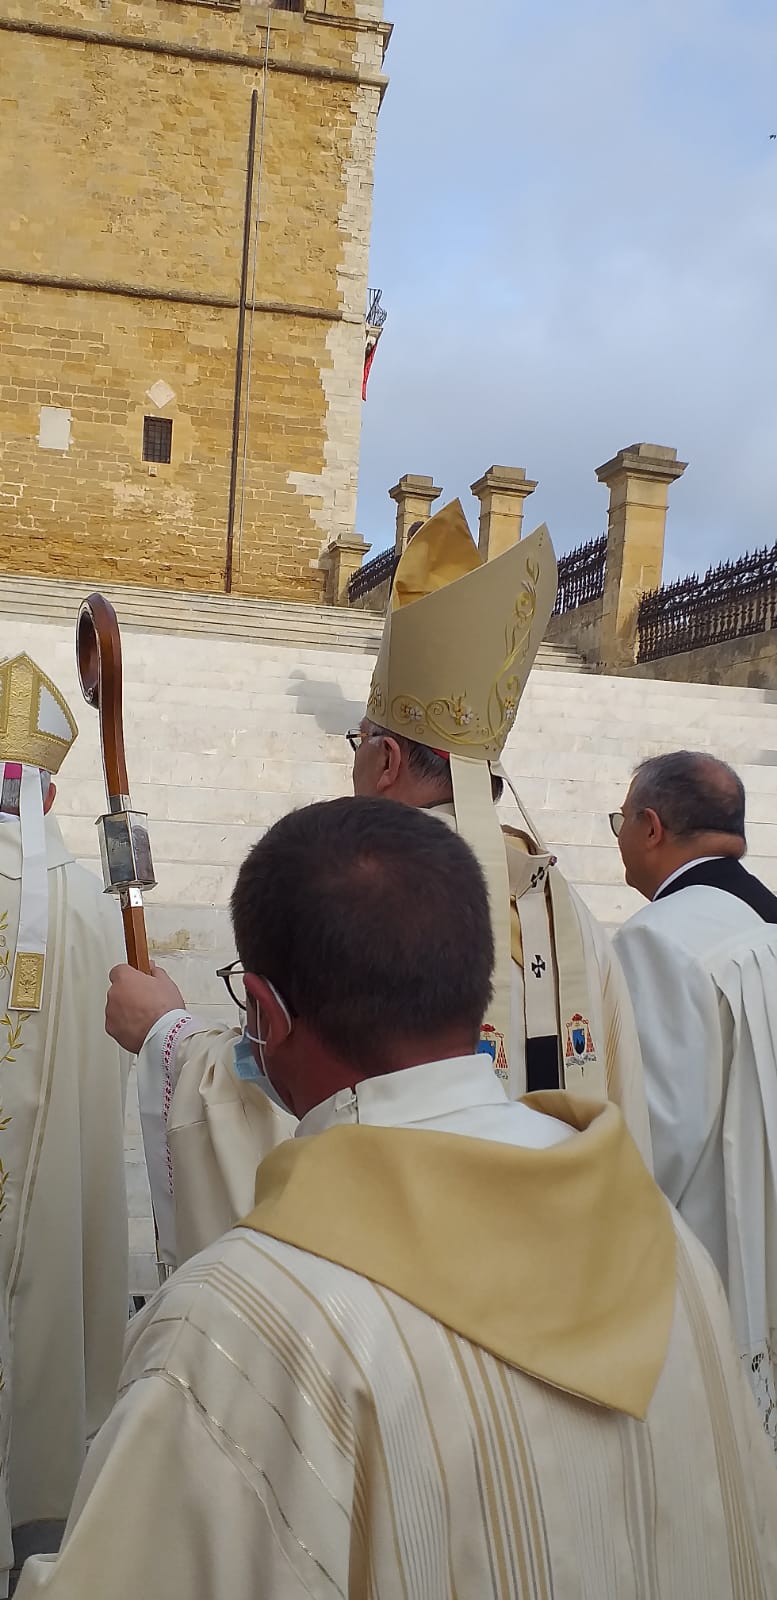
(273, 1022)
(50, 798)
(655, 832)
(391, 765)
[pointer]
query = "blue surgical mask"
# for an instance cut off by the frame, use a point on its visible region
(246, 1065)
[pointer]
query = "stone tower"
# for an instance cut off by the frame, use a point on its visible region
(123, 181)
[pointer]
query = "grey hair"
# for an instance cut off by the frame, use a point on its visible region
(692, 792)
(9, 800)
(427, 764)
(423, 762)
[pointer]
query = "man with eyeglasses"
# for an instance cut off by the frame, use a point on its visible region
(458, 645)
(457, 1346)
(701, 964)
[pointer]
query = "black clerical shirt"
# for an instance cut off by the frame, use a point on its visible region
(723, 872)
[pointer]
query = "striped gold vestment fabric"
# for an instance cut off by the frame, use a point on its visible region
(289, 1429)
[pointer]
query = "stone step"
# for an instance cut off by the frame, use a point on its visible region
(564, 804)
(180, 612)
(350, 679)
(305, 704)
(263, 686)
(601, 865)
(297, 703)
(329, 776)
(585, 796)
(639, 690)
(730, 738)
(285, 630)
(274, 655)
(334, 660)
(257, 758)
(219, 844)
(610, 768)
(758, 723)
(58, 598)
(345, 674)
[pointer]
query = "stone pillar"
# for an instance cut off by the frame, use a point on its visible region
(344, 556)
(638, 479)
(415, 497)
(501, 492)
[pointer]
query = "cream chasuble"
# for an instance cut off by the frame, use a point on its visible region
(289, 1427)
(63, 1213)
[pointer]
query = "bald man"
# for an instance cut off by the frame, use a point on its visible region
(701, 964)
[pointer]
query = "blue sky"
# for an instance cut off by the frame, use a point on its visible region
(576, 237)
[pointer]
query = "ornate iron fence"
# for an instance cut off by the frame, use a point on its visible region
(581, 575)
(379, 570)
(730, 601)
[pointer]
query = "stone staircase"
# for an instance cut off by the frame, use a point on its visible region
(178, 611)
(235, 711)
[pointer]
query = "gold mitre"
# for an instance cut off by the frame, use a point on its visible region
(37, 727)
(460, 637)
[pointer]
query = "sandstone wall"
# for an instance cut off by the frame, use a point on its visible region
(747, 663)
(579, 629)
(122, 179)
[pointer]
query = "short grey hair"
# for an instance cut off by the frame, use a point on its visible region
(427, 764)
(422, 761)
(692, 792)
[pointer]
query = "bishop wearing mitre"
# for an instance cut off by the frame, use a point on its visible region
(63, 1211)
(458, 645)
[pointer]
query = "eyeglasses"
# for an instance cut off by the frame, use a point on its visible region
(617, 820)
(356, 738)
(233, 976)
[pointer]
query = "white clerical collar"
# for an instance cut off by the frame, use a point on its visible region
(11, 845)
(413, 1095)
(446, 811)
(686, 867)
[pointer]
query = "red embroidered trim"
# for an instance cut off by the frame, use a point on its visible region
(166, 1059)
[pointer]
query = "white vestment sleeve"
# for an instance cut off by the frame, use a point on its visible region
(205, 1131)
(623, 1054)
(163, 1510)
(748, 983)
(219, 1128)
(155, 1087)
(676, 1008)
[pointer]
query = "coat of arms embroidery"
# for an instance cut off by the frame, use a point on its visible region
(579, 1045)
(492, 1044)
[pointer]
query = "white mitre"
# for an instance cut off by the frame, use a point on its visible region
(37, 729)
(458, 645)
